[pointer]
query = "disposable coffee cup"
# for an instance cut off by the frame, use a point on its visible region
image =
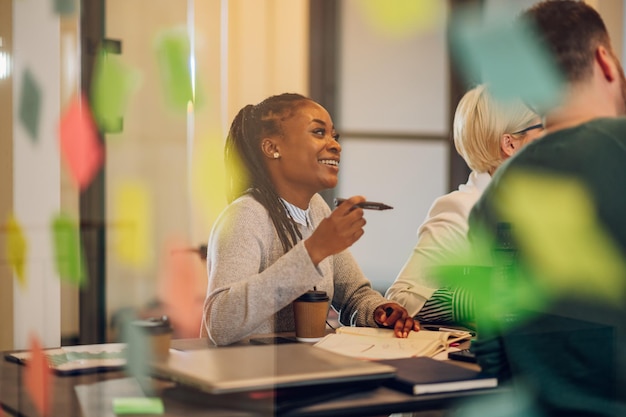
(310, 311)
(158, 332)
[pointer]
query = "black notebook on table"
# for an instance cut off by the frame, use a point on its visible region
(424, 375)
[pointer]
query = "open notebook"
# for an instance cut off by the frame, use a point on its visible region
(71, 360)
(376, 343)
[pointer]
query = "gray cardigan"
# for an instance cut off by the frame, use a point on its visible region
(252, 282)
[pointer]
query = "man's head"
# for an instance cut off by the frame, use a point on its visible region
(576, 35)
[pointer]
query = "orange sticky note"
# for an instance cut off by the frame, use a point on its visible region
(80, 146)
(16, 249)
(182, 289)
(37, 377)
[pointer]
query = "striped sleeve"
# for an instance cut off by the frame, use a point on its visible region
(448, 305)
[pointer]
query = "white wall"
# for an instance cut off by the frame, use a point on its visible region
(407, 175)
(36, 176)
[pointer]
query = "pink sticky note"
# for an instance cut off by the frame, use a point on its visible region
(37, 377)
(182, 288)
(80, 146)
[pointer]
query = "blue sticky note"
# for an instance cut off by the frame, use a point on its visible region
(64, 7)
(508, 56)
(30, 104)
(138, 352)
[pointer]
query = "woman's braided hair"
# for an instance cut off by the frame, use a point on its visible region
(246, 169)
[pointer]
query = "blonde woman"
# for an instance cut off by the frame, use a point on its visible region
(486, 133)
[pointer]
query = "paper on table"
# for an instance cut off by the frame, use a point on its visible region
(96, 399)
(374, 343)
(79, 359)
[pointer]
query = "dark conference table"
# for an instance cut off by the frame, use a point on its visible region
(372, 401)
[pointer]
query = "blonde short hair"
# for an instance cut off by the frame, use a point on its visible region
(479, 123)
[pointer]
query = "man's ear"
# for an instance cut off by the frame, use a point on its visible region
(605, 60)
(269, 148)
(508, 145)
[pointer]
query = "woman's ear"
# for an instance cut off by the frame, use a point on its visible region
(269, 149)
(508, 145)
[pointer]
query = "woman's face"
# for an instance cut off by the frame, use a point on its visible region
(532, 134)
(309, 153)
(511, 143)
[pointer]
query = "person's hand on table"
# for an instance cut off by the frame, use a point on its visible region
(395, 316)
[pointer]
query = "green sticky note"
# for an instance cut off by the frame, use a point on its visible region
(113, 84)
(508, 56)
(30, 104)
(68, 254)
(138, 405)
(173, 54)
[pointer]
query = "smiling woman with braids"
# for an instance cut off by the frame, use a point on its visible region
(277, 238)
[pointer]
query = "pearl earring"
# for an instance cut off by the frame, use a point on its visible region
(276, 155)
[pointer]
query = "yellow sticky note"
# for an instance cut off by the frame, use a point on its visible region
(17, 249)
(133, 223)
(402, 18)
(559, 233)
(209, 178)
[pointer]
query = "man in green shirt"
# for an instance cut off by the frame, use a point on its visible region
(576, 173)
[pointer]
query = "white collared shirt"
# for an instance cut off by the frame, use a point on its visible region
(302, 217)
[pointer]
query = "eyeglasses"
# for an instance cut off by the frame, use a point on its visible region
(537, 126)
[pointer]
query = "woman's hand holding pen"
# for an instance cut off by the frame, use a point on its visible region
(338, 231)
(396, 316)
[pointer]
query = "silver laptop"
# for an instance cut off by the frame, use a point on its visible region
(246, 368)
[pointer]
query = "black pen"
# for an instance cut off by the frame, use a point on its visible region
(446, 329)
(369, 205)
